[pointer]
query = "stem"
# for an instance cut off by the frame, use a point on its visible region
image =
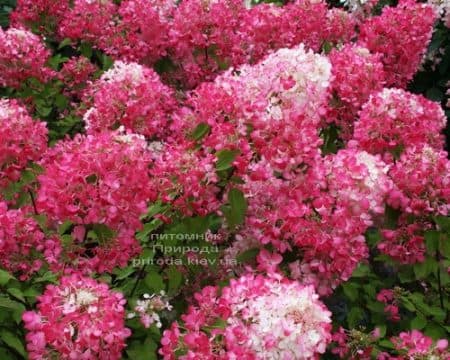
(438, 275)
(139, 277)
(33, 202)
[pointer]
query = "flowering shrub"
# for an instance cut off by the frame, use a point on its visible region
(224, 179)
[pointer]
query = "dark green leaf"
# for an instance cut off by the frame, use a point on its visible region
(225, 159)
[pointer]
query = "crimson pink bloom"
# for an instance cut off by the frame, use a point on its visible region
(90, 21)
(79, 318)
(204, 38)
(22, 140)
(22, 55)
(130, 95)
(268, 27)
(100, 183)
(415, 344)
(186, 178)
(42, 14)
(341, 26)
(356, 75)
(76, 73)
(259, 316)
(23, 246)
(401, 34)
(142, 32)
(387, 297)
(422, 176)
(394, 119)
(405, 243)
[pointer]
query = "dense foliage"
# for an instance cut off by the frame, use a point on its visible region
(224, 179)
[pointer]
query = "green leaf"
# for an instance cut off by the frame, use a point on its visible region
(406, 274)
(103, 232)
(225, 159)
(10, 304)
(142, 235)
(43, 110)
(64, 43)
(247, 255)
(61, 101)
(437, 313)
(13, 342)
(351, 290)
(154, 281)
(361, 271)
(175, 280)
(107, 62)
(147, 350)
(27, 177)
(66, 225)
(16, 293)
(354, 317)
(422, 270)
(444, 246)
(419, 322)
(200, 131)
(86, 50)
(432, 241)
(435, 331)
(327, 47)
(443, 222)
(408, 305)
(5, 277)
(235, 215)
(386, 344)
(124, 273)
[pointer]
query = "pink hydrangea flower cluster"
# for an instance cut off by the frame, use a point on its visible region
(359, 181)
(267, 27)
(149, 308)
(75, 73)
(130, 95)
(401, 34)
(422, 176)
(201, 38)
(42, 14)
(97, 180)
(22, 243)
(22, 140)
(281, 99)
(388, 297)
(415, 345)
(203, 34)
(22, 55)
(89, 20)
(254, 317)
(79, 318)
(322, 214)
(394, 119)
(185, 178)
(341, 26)
(356, 75)
(405, 243)
(142, 30)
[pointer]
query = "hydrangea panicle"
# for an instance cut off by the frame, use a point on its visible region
(79, 318)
